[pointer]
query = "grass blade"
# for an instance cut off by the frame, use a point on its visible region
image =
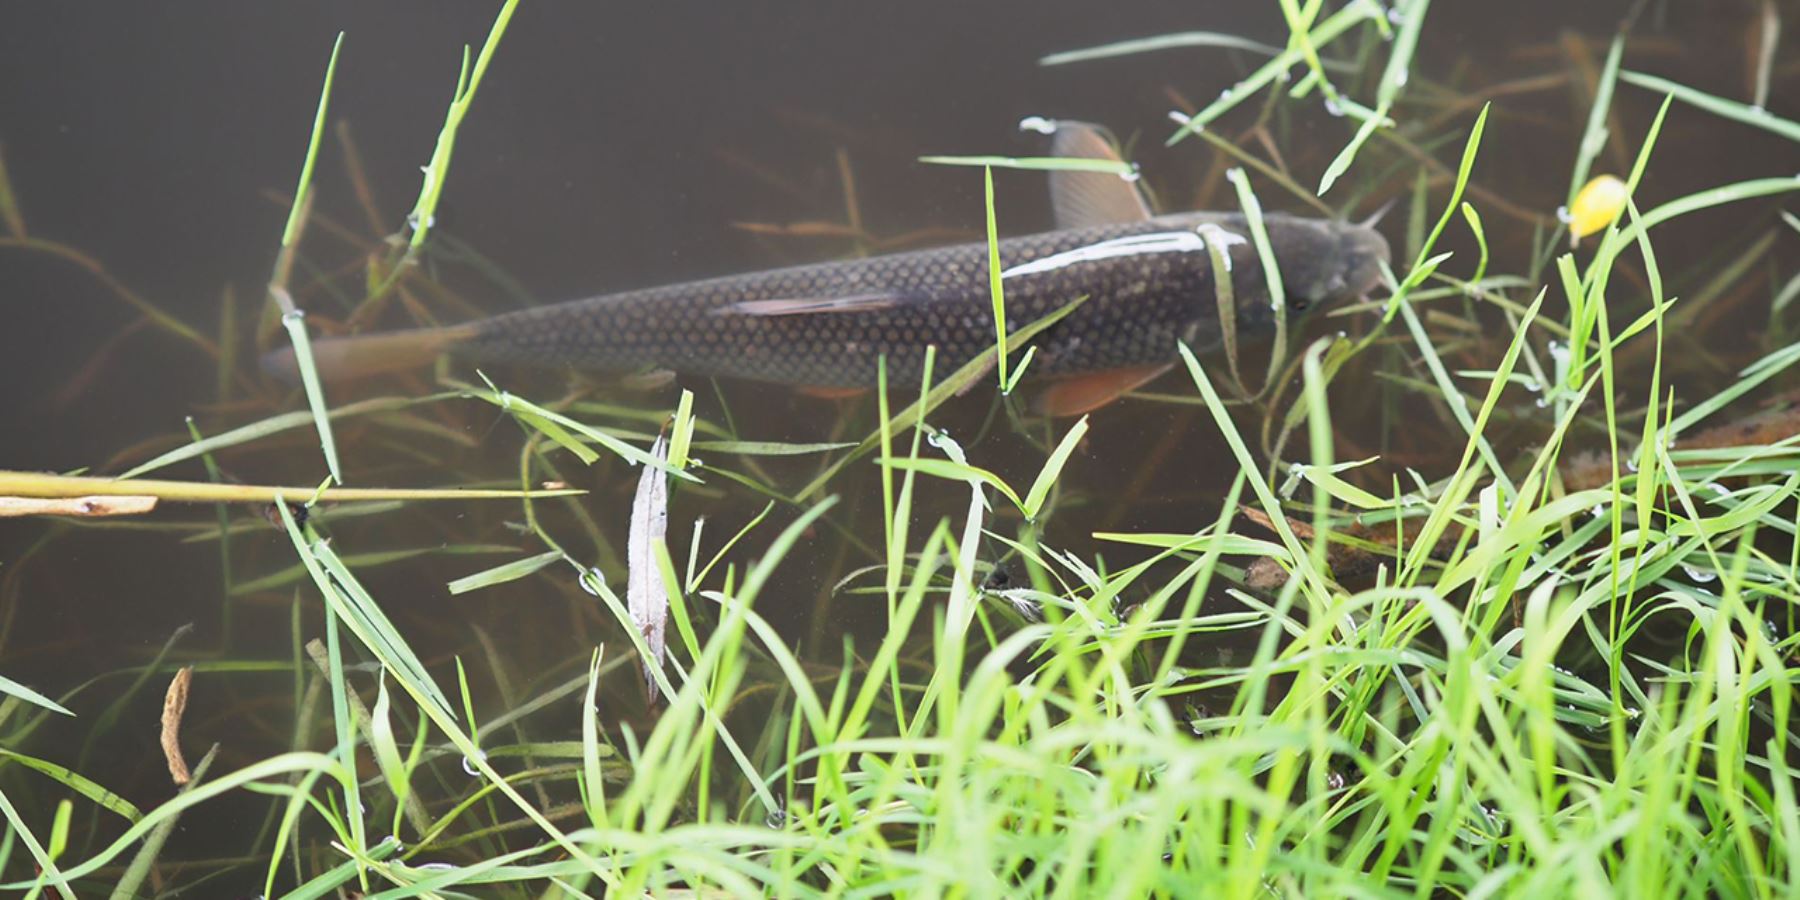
(770, 448)
(295, 324)
(1341, 163)
(437, 172)
(1593, 138)
(12, 688)
(537, 415)
(512, 571)
(1039, 163)
(918, 409)
(145, 860)
(1336, 24)
(996, 290)
(1046, 479)
(1265, 252)
(293, 319)
(78, 783)
(1754, 116)
(277, 424)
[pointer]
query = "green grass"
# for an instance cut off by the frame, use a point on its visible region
(293, 319)
(1538, 689)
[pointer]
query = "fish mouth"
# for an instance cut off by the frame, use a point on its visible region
(1364, 253)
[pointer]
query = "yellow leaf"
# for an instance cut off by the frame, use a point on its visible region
(1599, 203)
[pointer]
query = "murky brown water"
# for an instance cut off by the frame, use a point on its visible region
(613, 147)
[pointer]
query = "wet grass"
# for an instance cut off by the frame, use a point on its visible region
(1542, 680)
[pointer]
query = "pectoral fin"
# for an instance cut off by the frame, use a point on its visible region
(806, 306)
(1086, 393)
(1081, 199)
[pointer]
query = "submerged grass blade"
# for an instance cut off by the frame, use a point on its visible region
(1397, 73)
(296, 572)
(295, 324)
(277, 424)
(9, 203)
(512, 571)
(145, 860)
(1754, 116)
(1593, 138)
(136, 301)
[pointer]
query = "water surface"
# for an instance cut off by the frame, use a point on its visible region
(620, 146)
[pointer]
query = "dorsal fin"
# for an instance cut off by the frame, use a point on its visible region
(1081, 199)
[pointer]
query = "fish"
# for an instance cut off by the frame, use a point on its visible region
(1147, 282)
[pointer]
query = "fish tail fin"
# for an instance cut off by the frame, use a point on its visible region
(361, 356)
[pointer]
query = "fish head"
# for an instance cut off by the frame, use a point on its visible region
(1366, 256)
(1322, 262)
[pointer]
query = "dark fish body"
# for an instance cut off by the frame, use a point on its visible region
(1147, 285)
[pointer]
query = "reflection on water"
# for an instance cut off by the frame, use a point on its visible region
(616, 147)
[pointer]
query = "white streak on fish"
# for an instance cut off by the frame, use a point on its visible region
(1131, 245)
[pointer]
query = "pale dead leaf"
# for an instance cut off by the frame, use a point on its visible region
(85, 507)
(646, 597)
(174, 706)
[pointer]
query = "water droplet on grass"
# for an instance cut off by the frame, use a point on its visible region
(469, 767)
(1699, 575)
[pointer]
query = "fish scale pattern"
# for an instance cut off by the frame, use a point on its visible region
(1139, 304)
